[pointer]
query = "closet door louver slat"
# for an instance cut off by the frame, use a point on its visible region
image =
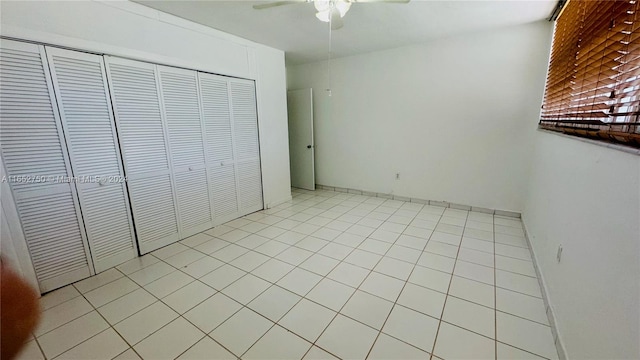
(33, 145)
(184, 129)
(83, 99)
(138, 112)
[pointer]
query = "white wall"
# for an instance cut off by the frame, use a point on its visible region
(451, 116)
(587, 198)
(131, 30)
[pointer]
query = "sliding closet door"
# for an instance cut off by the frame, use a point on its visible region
(214, 93)
(246, 143)
(185, 132)
(136, 103)
(81, 89)
(36, 161)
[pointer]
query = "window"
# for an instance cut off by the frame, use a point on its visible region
(593, 83)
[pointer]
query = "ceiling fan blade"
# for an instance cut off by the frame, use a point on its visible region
(381, 1)
(277, 3)
(336, 20)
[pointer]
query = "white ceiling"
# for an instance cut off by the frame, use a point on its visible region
(367, 26)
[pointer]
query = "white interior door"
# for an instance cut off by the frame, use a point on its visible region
(183, 122)
(301, 145)
(35, 157)
(136, 103)
(80, 85)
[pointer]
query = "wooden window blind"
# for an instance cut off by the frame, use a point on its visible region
(593, 83)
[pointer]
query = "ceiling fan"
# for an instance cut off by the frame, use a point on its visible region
(331, 11)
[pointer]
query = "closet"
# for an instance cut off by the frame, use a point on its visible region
(109, 157)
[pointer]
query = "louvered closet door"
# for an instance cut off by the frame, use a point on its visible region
(136, 104)
(246, 144)
(81, 90)
(214, 94)
(185, 132)
(32, 146)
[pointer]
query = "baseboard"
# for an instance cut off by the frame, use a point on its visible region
(557, 339)
(421, 201)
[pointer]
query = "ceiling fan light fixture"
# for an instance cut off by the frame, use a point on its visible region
(323, 15)
(342, 6)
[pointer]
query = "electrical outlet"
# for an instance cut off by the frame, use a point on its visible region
(397, 176)
(559, 253)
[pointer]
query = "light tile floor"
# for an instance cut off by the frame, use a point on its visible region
(327, 275)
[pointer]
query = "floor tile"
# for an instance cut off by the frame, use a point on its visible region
(195, 240)
(347, 338)
(238, 223)
(294, 256)
(168, 284)
(219, 230)
(62, 314)
(375, 246)
(71, 334)
(311, 243)
(392, 226)
(57, 297)
(252, 241)
(479, 225)
(512, 240)
(184, 258)
(331, 294)
(273, 270)
(30, 351)
(307, 319)
(170, 341)
(412, 327)
(513, 251)
(387, 348)
(202, 267)
(106, 345)
(221, 277)
(326, 234)
(383, 286)
(436, 247)
(517, 266)
(212, 246)
(128, 355)
(234, 235)
(528, 307)
(241, 331)
(306, 229)
(516, 282)
(348, 274)
(436, 262)
(270, 346)
(246, 288)
(253, 227)
(287, 224)
(470, 316)
(229, 253)
(506, 352)
(480, 216)
(363, 259)
(474, 272)
(526, 335)
(456, 343)
(447, 234)
(478, 234)
(336, 251)
(143, 323)
(319, 264)
(271, 232)
(111, 291)
(476, 244)
(412, 242)
(368, 309)
(189, 296)
(432, 279)
(249, 261)
(97, 281)
(417, 232)
(474, 291)
(299, 281)
(274, 303)
(290, 237)
(207, 349)
(395, 268)
(351, 240)
(384, 235)
(272, 248)
(126, 306)
(476, 257)
(338, 225)
(212, 312)
(169, 250)
(421, 299)
(424, 224)
(151, 273)
(404, 253)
